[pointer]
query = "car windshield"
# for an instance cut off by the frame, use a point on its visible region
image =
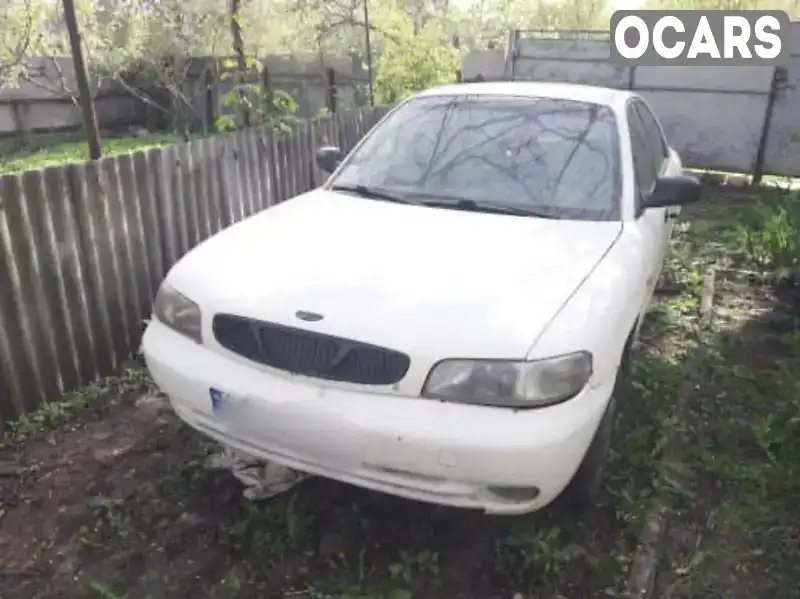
(547, 156)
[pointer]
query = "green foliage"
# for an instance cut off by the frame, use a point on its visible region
(264, 107)
(769, 231)
(411, 62)
(536, 554)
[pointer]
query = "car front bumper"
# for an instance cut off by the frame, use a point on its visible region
(421, 449)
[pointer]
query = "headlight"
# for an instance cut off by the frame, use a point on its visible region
(179, 313)
(510, 384)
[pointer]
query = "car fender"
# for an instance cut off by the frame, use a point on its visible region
(601, 314)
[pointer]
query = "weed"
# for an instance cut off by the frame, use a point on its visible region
(51, 414)
(268, 529)
(537, 555)
(769, 231)
(56, 413)
(103, 591)
(111, 521)
(412, 565)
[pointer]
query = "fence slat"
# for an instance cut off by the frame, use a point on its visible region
(212, 189)
(291, 164)
(280, 163)
(308, 143)
(297, 161)
(227, 189)
(58, 250)
(200, 183)
(186, 202)
(254, 169)
(96, 294)
(147, 171)
(341, 132)
(74, 314)
(250, 168)
(43, 309)
(135, 237)
(17, 358)
(234, 178)
(241, 176)
(271, 147)
(168, 183)
(116, 261)
(261, 155)
(215, 185)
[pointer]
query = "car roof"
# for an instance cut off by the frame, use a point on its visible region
(604, 96)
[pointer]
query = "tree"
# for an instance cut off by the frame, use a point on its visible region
(17, 36)
(412, 59)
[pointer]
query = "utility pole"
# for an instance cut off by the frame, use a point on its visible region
(369, 52)
(82, 79)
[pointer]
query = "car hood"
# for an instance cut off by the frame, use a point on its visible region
(430, 282)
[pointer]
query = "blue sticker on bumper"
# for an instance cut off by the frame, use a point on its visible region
(217, 397)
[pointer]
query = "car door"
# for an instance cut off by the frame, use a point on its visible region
(652, 223)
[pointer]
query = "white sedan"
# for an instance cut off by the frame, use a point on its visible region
(446, 317)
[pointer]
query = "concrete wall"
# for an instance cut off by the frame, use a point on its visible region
(783, 141)
(715, 117)
(44, 103)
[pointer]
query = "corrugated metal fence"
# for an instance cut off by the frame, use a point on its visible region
(84, 247)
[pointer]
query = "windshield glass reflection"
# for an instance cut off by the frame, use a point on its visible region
(551, 155)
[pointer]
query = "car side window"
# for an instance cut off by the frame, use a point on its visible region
(654, 133)
(646, 167)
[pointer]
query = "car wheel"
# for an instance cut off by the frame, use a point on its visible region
(585, 486)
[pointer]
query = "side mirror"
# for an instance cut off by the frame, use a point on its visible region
(329, 158)
(674, 191)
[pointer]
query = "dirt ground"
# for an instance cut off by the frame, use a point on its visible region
(119, 503)
(106, 494)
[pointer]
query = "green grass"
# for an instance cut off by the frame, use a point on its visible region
(736, 533)
(54, 150)
(52, 414)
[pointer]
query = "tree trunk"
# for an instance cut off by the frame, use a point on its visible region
(82, 79)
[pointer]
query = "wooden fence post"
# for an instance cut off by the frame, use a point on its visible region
(330, 75)
(211, 109)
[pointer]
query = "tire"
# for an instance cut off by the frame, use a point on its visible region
(585, 486)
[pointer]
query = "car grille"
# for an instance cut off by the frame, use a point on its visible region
(309, 353)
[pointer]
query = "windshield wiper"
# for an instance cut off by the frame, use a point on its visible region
(372, 192)
(487, 207)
